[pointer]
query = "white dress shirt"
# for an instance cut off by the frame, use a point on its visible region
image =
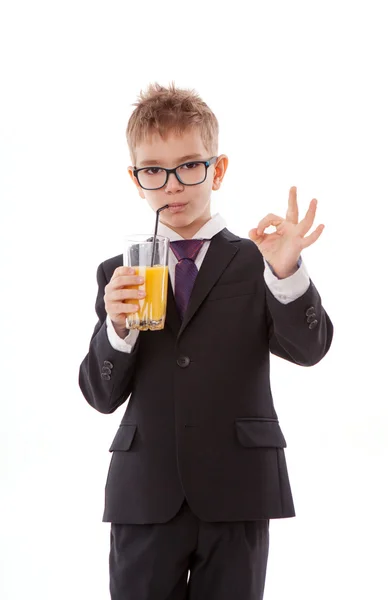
(284, 290)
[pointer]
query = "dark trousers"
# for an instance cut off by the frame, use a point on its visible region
(226, 561)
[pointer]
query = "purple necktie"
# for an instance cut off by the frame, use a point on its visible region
(186, 271)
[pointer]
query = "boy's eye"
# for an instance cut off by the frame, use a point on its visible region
(191, 165)
(154, 170)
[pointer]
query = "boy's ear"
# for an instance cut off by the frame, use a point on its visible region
(135, 181)
(219, 171)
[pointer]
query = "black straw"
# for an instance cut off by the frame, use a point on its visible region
(156, 233)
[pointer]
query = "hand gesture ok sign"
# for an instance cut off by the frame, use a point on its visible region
(282, 248)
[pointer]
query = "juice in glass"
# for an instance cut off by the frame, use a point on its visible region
(152, 308)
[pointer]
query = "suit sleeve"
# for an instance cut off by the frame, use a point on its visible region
(300, 331)
(106, 374)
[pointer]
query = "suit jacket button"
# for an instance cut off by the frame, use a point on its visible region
(313, 324)
(106, 370)
(310, 311)
(183, 361)
(105, 376)
(107, 363)
(311, 318)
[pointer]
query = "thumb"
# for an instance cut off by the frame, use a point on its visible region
(253, 235)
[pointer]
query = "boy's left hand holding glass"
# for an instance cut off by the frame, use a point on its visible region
(120, 291)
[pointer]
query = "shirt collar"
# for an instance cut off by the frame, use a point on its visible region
(215, 224)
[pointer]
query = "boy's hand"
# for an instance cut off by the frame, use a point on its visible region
(116, 293)
(282, 248)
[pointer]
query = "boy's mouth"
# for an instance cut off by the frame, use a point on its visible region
(176, 206)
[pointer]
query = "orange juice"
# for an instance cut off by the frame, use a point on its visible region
(152, 308)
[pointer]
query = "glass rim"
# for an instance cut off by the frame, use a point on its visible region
(144, 238)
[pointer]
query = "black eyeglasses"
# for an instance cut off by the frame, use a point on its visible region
(189, 173)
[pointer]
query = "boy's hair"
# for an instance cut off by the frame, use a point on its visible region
(166, 110)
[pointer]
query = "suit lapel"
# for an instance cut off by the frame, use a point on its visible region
(220, 253)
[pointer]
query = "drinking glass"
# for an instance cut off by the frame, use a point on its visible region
(151, 262)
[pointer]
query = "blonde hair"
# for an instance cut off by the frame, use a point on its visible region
(170, 109)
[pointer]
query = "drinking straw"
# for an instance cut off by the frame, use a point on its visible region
(156, 233)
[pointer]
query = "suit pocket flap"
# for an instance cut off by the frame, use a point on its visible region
(123, 438)
(256, 433)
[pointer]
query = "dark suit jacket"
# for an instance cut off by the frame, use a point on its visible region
(201, 422)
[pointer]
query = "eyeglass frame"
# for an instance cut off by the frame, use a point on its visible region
(207, 164)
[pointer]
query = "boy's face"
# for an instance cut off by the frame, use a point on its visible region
(192, 203)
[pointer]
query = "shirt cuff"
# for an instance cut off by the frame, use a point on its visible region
(289, 289)
(118, 343)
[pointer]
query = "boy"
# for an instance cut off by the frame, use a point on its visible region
(198, 465)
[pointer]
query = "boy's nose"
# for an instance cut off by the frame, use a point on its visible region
(173, 183)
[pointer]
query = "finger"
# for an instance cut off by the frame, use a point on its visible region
(123, 308)
(310, 239)
(125, 294)
(258, 239)
(120, 271)
(292, 211)
(124, 280)
(269, 220)
(307, 222)
(253, 234)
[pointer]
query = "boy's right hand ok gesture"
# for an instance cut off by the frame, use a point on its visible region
(116, 292)
(282, 248)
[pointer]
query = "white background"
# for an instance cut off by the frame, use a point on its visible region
(300, 92)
